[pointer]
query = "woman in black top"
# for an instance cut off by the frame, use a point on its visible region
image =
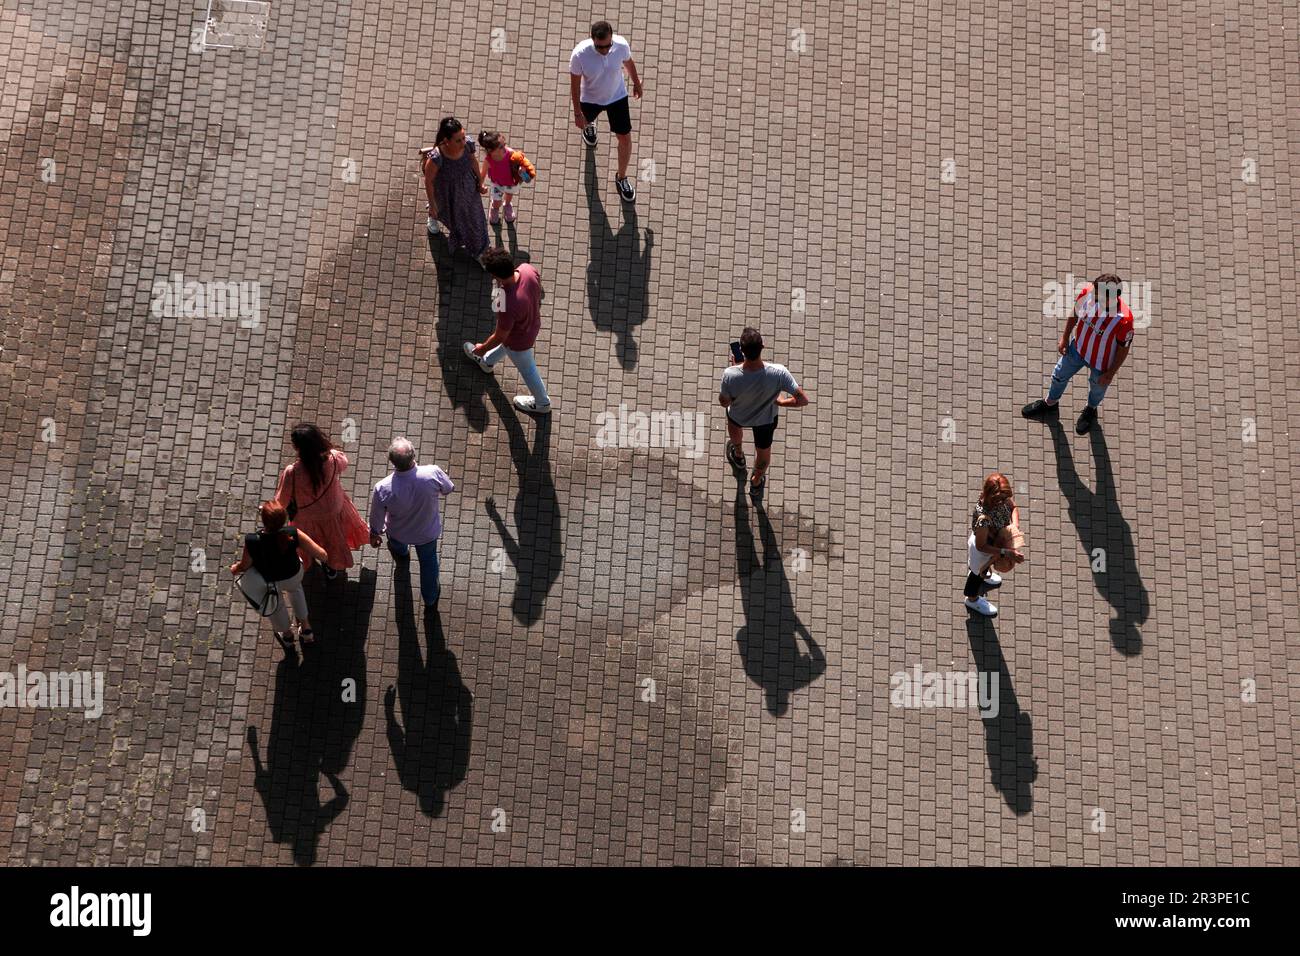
(278, 553)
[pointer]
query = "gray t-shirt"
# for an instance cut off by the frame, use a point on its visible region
(753, 394)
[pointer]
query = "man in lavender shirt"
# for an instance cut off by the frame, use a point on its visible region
(406, 505)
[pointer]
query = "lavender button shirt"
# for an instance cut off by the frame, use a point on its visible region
(405, 504)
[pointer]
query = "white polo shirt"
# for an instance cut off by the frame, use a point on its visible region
(602, 74)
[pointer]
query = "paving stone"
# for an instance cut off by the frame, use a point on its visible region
(632, 664)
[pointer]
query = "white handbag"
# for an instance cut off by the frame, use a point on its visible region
(262, 595)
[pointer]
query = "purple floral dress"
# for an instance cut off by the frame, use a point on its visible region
(460, 207)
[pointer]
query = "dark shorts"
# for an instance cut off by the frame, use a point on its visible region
(763, 434)
(620, 117)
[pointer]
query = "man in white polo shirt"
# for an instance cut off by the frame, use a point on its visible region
(596, 85)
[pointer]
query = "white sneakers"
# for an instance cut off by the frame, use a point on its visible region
(982, 606)
(477, 359)
(526, 403)
(994, 580)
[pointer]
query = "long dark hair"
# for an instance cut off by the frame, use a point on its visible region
(314, 448)
(448, 128)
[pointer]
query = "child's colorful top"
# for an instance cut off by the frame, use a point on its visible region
(506, 170)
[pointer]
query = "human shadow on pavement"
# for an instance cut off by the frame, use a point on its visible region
(618, 271)
(1101, 525)
(538, 552)
(315, 718)
(769, 641)
(464, 315)
(511, 241)
(1009, 734)
(431, 743)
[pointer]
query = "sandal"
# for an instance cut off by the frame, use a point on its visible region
(285, 642)
(735, 457)
(307, 636)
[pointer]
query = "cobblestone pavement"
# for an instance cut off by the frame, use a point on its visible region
(616, 675)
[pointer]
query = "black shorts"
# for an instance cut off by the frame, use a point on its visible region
(620, 117)
(763, 434)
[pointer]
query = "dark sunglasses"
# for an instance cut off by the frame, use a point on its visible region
(604, 49)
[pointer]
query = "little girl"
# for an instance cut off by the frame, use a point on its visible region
(504, 169)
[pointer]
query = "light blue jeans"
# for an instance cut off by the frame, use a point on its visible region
(527, 365)
(1070, 363)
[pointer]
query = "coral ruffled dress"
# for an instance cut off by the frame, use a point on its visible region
(326, 514)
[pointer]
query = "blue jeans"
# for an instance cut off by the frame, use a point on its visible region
(428, 565)
(1070, 363)
(527, 365)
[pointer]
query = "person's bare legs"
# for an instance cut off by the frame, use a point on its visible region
(762, 458)
(624, 153)
(736, 434)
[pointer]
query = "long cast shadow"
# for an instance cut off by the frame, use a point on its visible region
(316, 719)
(464, 315)
(618, 271)
(769, 640)
(1100, 523)
(538, 552)
(1009, 735)
(431, 744)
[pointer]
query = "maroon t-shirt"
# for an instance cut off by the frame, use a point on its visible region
(519, 324)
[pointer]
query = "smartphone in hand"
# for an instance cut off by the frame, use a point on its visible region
(738, 355)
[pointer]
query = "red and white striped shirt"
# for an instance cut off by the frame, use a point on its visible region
(1098, 334)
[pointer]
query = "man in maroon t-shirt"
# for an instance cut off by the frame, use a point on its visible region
(517, 301)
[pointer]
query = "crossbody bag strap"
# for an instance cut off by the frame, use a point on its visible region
(328, 485)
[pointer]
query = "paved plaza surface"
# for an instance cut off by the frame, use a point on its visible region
(631, 663)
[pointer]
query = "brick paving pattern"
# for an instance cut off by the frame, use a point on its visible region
(631, 664)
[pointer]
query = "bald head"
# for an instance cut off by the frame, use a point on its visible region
(402, 454)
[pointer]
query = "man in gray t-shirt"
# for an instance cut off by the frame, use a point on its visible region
(751, 392)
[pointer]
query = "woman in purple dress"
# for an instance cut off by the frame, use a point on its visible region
(454, 183)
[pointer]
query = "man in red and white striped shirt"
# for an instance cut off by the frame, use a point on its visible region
(1103, 334)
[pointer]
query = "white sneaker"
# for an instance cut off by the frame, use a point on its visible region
(982, 606)
(477, 359)
(526, 403)
(994, 580)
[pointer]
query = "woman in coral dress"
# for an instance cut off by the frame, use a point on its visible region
(311, 490)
